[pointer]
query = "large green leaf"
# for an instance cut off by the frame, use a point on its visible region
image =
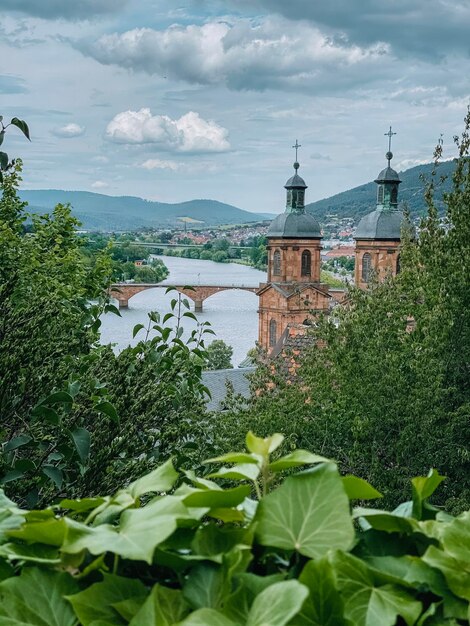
(366, 604)
(309, 513)
(324, 605)
(139, 533)
(34, 553)
(164, 607)
(96, 601)
(212, 539)
(277, 604)
(46, 529)
(159, 480)
(455, 571)
(207, 586)
(388, 522)
(37, 598)
(238, 604)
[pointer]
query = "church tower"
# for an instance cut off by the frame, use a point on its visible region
(293, 292)
(378, 233)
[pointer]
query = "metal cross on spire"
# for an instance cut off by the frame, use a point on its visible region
(296, 146)
(389, 154)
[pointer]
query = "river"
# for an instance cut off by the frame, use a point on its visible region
(232, 314)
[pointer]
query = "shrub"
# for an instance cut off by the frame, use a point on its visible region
(198, 553)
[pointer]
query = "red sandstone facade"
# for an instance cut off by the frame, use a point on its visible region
(376, 258)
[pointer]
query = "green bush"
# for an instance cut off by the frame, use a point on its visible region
(264, 552)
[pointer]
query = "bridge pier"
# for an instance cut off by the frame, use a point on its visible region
(123, 304)
(198, 306)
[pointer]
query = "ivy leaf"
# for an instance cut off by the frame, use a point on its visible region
(423, 488)
(234, 457)
(277, 604)
(261, 446)
(309, 513)
(298, 458)
(37, 597)
(96, 602)
(242, 471)
(366, 604)
(139, 533)
(163, 606)
(59, 397)
(207, 586)
(359, 489)
(324, 605)
(21, 124)
(215, 498)
(161, 479)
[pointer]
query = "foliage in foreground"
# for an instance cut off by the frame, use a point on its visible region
(199, 554)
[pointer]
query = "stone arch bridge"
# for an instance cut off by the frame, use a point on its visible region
(123, 292)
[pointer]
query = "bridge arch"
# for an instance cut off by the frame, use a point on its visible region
(123, 292)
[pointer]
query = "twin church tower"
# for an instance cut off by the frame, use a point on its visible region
(294, 292)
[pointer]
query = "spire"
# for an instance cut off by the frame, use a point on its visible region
(388, 181)
(389, 155)
(295, 187)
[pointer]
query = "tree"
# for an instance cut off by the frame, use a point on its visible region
(219, 355)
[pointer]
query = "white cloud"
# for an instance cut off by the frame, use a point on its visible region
(69, 130)
(273, 52)
(100, 159)
(189, 133)
(99, 184)
(157, 164)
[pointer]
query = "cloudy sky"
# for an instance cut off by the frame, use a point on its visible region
(173, 100)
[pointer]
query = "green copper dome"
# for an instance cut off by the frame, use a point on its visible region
(294, 226)
(380, 224)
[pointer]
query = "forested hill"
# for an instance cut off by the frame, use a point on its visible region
(100, 212)
(361, 200)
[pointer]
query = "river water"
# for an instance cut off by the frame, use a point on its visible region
(232, 314)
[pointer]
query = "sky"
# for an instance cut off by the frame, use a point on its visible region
(173, 101)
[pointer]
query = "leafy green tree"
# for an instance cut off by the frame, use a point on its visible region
(219, 355)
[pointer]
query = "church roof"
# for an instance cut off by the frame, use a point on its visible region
(295, 181)
(380, 224)
(388, 175)
(295, 226)
(216, 381)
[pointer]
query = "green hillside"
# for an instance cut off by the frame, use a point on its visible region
(361, 200)
(100, 212)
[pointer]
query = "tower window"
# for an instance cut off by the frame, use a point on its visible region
(277, 263)
(306, 267)
(366, 267)
(394, 195)
(398, 264)
(380, 194)
(272, 333)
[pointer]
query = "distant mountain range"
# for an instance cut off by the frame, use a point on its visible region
(110, 213)
(114, 213)
(360, 200)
